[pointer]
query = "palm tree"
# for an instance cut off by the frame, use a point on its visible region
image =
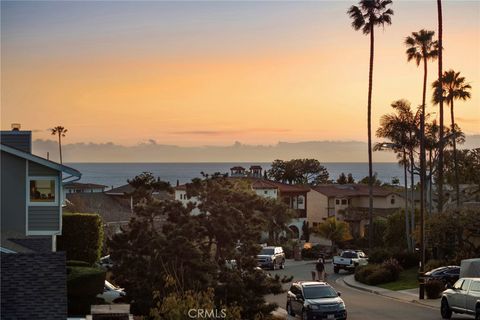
(60, 131)
(453, 88)
(441, 128)
(399, 127)
(366, 16)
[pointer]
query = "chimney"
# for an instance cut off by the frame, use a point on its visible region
(16, 138)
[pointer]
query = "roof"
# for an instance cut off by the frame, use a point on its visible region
(47, 163)
(78, 185)
(237, 168)
(255, 167)
(263, 184)
(122, 190)
(351, 190)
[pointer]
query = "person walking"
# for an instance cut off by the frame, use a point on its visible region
(320, 266)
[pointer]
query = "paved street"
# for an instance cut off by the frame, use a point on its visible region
(361, 305)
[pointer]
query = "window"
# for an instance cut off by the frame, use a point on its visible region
(344, 201)
(337, 201)
(392, 201)
(475, 286)
(265, 192)
(300, 200)
(43, 191)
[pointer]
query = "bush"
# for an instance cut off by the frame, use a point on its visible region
(433, 264)
(77, 263)
(393, 267)
(434, 289)
(378, 256)
(406, 259)
(313, 252)
(380, 275)
(83, 284)
(362, 272)
(82, 237)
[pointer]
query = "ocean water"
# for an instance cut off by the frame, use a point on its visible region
(116, 174)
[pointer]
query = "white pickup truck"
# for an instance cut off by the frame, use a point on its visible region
(349, 260)
(462, 297)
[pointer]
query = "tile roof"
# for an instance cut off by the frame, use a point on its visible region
(33, 286)
(350, 190)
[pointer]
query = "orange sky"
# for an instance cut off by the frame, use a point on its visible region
(214, 73)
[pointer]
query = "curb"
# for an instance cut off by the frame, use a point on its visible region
(385, 295)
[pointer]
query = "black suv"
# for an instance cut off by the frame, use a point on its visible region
(315, 300)
(271, 257)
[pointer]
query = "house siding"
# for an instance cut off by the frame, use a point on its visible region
(13, 193)
(43, 218)
(35, 169)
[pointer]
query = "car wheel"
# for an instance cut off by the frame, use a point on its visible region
(304, 315)
(477, 313)
(445, 309)
(282, 264)
(274, 267)
(335, 269)
(290, 310)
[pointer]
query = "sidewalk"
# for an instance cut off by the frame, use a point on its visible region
(410, 295)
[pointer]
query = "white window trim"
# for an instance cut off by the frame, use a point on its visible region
(43, 204)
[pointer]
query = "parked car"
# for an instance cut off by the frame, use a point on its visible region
(315, 300)
(106, 262)
(462, 297)
(447, 274)
(349, 260)
(271, 257)
(112, 294)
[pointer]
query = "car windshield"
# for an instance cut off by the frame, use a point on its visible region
(319, 292)
(349, 254)
(267, 251)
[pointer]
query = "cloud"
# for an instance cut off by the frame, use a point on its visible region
(227, 132)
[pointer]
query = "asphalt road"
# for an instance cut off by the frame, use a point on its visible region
(361, 305)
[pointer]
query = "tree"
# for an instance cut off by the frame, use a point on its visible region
(342, 179)
(333, 230)
(453, 88)
(277, 217)
(374, 181)
(366, 16)
(350, 178)
(299, 171)
(440, 104)
(467, 169)
(60, 132)
(422, 47)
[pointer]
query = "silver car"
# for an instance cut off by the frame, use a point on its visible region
(462, 297)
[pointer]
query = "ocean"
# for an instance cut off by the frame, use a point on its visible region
(116, 174)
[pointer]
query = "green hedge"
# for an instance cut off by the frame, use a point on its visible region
(82, 237)
(83, 285)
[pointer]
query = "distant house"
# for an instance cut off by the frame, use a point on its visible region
(293, 195)
(33, 274)
(350, 202)
(77, 187)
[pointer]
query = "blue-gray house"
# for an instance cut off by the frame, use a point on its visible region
(33, 274)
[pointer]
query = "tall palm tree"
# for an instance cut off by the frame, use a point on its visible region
(421, 47)
(366, 16)
(440, 104)
(60, 132)
(453, 88)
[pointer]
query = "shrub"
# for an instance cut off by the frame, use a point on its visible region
(434, 289)
(393, 267)
(380, 275)
(77, 263)
(378, 256)
(433, 264)
(82, 237)
(362, 272)
(406, 259)
(313, 252)
(83, 284)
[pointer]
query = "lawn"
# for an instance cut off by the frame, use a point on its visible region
(407, 280)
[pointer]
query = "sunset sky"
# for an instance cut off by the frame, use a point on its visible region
(211, 73)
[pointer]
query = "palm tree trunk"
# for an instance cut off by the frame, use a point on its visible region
(455, 161)
(60, 146)
(422, 167)
(412, 187)
(369, 126)
(441, 143)
(405, 176)
(430, 177)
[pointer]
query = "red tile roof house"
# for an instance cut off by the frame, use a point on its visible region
(33, 274)
(349, 202)
(293, 195)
